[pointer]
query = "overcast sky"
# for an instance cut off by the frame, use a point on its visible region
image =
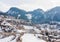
(28, 4)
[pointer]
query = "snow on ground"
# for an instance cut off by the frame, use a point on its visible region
(31, 27)
(25, 38)
(0, 29)
(15, 38)
(29, 16)
(31, 38)
(38, 35)
(7, 39)
(20, 31)
(28, 27)
(37, 30)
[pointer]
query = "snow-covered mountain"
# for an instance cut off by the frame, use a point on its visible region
(35, 16)
(2, 13)
(17, 12)
(53, 14)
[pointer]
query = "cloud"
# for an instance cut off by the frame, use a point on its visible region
(3, 7)
(55, 0)
(28, 4)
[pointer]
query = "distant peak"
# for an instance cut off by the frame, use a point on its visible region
(12, 7)
(16, 9)
(57, 7)
(38, 9)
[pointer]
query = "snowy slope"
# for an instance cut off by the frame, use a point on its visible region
(31, 38)
(7, 39)
(27, 27)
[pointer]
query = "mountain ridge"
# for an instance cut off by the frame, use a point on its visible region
(37, 15)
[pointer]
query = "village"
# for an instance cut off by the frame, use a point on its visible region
(17, 30)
